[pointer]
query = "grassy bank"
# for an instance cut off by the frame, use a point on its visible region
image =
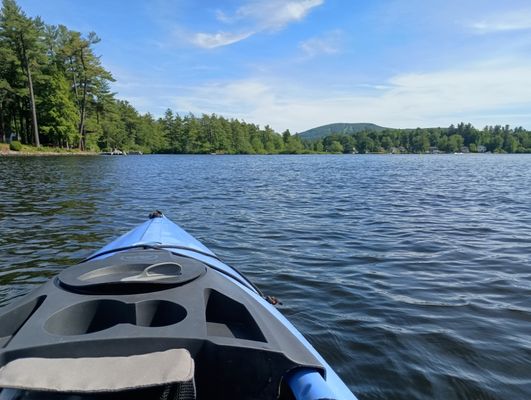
(26, 150)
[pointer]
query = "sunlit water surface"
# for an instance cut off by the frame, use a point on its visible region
(410, 274)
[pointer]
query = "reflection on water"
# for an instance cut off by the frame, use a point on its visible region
(411, 274)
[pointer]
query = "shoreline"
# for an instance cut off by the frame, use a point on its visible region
(50, 152)
(12, 153)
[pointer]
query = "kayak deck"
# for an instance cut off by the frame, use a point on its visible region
(157, 289)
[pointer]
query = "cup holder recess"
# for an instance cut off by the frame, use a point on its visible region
(14, 319)
(98, 315)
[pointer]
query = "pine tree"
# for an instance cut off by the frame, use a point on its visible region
(22, 34)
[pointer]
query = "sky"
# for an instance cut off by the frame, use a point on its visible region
(298, 64)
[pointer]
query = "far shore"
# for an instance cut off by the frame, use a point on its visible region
(31, 151)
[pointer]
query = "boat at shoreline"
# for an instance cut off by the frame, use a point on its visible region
(114, 152)
(155, 314)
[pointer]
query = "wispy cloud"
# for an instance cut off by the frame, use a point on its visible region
(276, 14)
(504, 22)
(210, 41)
(326, 44)
(255, 17)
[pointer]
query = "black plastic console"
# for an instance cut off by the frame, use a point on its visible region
(141, 301)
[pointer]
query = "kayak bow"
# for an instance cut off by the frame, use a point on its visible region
(154, 295)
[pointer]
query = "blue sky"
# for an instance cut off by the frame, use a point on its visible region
(297, 64)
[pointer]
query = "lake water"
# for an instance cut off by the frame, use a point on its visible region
(410, 274)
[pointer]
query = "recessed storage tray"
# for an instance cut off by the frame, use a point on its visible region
(228, 318)
(98, 315)
(136, 271)
(14, 319)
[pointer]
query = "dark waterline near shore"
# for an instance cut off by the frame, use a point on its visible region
(410, 274)
(46, 153)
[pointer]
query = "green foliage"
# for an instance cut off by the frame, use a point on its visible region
(214, 134)
(335, 147)
(53, 75)
(15, 145)
(455, 142)
(421, 142)
(58, 114)
(510, 144)
(496, 139)
(22, 35)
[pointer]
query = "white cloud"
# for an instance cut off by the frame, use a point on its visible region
(223, 17)
(210, 41)
(509, 21)
(254, 17)
(373, 86)
(237, 99)
(276, 14)
(480, 94)
(326, 44)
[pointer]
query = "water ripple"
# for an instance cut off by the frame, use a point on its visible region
(410, 274)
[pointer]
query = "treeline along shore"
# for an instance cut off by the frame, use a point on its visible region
(55, 93)
(463, 138)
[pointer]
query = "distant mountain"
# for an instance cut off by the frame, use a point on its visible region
(325, 130)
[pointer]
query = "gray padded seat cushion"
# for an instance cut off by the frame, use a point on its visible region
(100, 374)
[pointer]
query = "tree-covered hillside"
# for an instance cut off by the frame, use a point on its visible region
(460, 138)
(344, 128)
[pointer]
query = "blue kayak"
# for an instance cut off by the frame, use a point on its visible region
(155, 314)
